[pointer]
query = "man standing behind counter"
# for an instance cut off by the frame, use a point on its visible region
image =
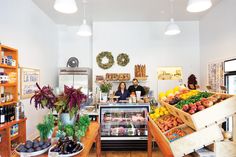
(136, 87)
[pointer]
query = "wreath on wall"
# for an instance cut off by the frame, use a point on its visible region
(122, 59)
(103, 55)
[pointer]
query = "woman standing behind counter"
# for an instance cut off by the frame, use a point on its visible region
(122, 92)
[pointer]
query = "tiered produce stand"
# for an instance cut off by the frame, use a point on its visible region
(200, 128)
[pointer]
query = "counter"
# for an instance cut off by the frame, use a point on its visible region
(123, 125)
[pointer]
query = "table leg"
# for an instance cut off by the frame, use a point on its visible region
(98, 144)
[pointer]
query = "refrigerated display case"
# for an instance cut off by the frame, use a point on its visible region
(76, 77)
(123, 126)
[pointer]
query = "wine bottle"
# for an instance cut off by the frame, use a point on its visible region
(2, 116)
(12, 114)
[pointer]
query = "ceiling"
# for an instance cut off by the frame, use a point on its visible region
(122, 10)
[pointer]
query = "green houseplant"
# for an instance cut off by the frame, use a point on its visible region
(68, 104)
(105, 87)
(46, 128)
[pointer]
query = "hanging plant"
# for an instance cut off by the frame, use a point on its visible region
(103, 55)
(122, 59)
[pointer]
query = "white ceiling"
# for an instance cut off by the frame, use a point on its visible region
(122, 10)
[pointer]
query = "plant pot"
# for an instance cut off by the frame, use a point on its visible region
(103, 97)
(65, 119)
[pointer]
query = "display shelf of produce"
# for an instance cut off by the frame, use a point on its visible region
(7, 66)
(9, 124)
(8, 103)
(8, 84)
(214, 114)
(191, 141)
(15, 137)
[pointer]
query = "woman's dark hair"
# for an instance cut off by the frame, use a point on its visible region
(119, 89)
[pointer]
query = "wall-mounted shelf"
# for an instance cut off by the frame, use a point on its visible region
(8, 103)
(7, 66)
(12, 88)
(8, 84)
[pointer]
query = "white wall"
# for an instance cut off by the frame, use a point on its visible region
(217, 35)
(72, 45)
(145, 43)
(25, 27)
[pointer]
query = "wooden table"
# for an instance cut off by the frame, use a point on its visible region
(163, 146)
(92, 135)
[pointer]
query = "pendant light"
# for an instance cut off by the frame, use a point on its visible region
(172, 28)
(84, 29)
(198, 5)
(65, 6)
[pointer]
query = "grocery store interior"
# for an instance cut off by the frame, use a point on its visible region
(109, 78)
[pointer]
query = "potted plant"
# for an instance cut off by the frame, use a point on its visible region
(105, 87)
(46, 128)
(44, 97)
(68, 104)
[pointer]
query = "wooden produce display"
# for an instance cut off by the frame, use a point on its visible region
(215, 114)
(9, 66)
(192, 141)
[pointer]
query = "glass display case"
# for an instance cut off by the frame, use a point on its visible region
(123, 122)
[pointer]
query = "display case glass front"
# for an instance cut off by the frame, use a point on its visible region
(124, 120)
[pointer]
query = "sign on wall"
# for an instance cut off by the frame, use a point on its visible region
(29, 77)
(169, 73)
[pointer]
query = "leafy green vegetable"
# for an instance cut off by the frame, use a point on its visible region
(192, 99)
(69, 130)
(46, 127)
(77, 130)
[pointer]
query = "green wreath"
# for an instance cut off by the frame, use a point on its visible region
(122, 59)
(110, 58)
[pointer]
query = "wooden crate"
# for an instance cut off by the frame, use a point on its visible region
(191, 142)
(215, 114)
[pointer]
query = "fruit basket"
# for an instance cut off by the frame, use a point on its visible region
(182, 140)
(212, 114)
(32, 148)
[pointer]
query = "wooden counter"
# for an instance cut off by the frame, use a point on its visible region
(92, 135)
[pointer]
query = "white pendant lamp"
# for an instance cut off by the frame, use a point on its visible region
(198, 5)
(84, 29)
(172, 28)
(65, 6)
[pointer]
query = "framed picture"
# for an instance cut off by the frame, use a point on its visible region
(170, 73)
(28, 79)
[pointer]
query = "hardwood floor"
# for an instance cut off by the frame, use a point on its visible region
(156, 153)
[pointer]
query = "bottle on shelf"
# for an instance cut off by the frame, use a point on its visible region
(12, 113)
(2, 116)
